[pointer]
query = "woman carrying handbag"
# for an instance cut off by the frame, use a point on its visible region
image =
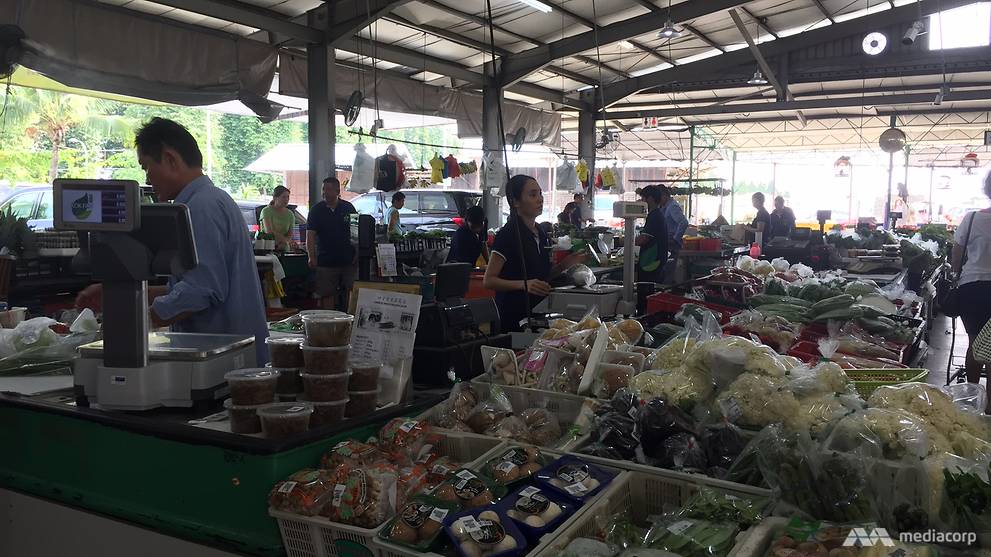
(971, 265)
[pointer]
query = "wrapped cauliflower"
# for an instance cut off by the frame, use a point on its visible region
(672, 355)
(899, 434)
(825, 378)
(817, 413)
(933, 406)
(755, 401)
(680, 387)
(727, 358)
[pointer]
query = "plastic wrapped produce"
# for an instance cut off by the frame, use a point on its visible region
(756, 401)
(352, 452)
(686, 536)
(723, 442)
(682, 451)
(458, 406)
(418, 523)
(632, 328)
(556, 369)
(931, 404)
(824, 378)
(501, 366)
(624, 357)
(510, 427)
(614, 434)
(972, 397)
(899, 434)
(817, 413)
(403, 439)
(680, 386)
(609, 378)
(586, 547)
(573, 478)
(719, 506)
(363, 496)
(468, 490)
(536, 512)
(727, 358)
(516, 463)
(305, 492)
(485, 533)
(489, 411)
(658, 420)
(542, 426)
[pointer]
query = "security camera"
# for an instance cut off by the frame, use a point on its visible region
(916, 29)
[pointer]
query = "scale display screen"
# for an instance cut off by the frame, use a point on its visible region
(107, 205)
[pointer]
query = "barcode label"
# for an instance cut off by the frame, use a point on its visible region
(530, 491)
(338, 494)
(465, 475)
(438, 514)
(576, 489)
(287, 487)
(680, 526)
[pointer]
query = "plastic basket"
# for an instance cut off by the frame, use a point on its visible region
(467, 448)
(642, 494)
(314, 536)
(867, 380)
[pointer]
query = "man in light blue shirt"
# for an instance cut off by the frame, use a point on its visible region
(222, 294)
(674, 218)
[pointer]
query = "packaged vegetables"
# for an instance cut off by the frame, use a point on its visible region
(487, 533)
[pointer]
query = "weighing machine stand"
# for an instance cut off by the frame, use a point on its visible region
(629, 211)
(124, 244)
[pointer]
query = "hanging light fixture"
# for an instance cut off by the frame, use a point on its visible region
(669, 31)
(757, 79)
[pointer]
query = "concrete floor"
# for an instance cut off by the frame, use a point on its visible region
(940, 339)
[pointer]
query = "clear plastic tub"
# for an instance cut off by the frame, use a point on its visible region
(285, 351)
(285, 419)
(365, 374)
(244, 419)
(320, 360)
(327, 413)
(361, 403)
(325, 388)
(252, 386)
(328, 330)
(289, 382)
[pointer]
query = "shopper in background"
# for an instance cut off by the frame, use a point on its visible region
(676, 224)
(902, 206)
(761, 226)
(566, 216)
(782, 219)
(328, 245)
(653, 237)
(276, 219)
(520, 265)
(392, 214)
(222, 294)
(583, 212)
(971, 263)
(470, 240)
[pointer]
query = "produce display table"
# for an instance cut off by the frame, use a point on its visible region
(155, 470)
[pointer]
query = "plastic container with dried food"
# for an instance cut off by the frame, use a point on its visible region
(325, 361)
(252, 386)
(365, 374)
(325, 388)
(328, 330)
(285, 419)
(327, 413)
(244, 419)
(289, 381)
(285, 351)
(362, 403)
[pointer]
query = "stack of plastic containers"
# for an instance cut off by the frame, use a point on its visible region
(325, 373)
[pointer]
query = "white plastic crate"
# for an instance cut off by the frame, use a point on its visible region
(305, 536)
(314, 536)
(565, 407)
(642, 494)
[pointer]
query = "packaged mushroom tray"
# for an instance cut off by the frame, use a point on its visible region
(517, 414)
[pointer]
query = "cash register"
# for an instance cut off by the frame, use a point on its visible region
(124, 244)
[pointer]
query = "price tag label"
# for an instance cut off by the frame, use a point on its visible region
(470, 524)
(465, 475)
(287, 487)
(338, 494)
(576, 489)
(680, 526)
(408, 426)
(530, 491)
(439, 514)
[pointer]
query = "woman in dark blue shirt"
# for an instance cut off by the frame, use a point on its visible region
(469, 240)
(520, 265)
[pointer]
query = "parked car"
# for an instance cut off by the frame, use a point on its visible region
(34, 203)
(252, 211)
(430, 208)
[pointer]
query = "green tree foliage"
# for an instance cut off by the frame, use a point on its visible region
(242, 140)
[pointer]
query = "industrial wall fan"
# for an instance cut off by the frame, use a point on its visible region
(892, 140)
(353, 108)
(11, 49)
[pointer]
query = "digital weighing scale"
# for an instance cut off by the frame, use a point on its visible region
(574, 302)
(124, 244)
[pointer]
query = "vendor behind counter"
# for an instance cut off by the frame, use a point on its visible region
(520, 265)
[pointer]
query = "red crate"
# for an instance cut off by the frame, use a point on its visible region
(710, 244)
(670, 303)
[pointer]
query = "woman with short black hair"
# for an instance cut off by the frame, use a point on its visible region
(520, 264)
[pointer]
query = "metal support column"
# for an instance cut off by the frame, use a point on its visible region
(908, 155)
(321, 128)
(732, 190)
(891, 168)
(691, 169)
(493, 145)
(932, 171)
(586, 146)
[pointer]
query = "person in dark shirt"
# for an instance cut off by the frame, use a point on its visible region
(782, 219)
(469, 242)
(566, 216)
(520, 265)
(578, 215)
(761, 226)
(653, 237)
(328, 244)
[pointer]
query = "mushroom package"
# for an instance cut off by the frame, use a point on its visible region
(487, 533)
(574, 478)
(536, 511)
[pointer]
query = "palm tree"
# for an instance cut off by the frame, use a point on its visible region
(51, 115)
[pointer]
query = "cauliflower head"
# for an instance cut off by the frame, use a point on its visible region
(680, 387)
(932, 405)
(760, 401)
(672, 355)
